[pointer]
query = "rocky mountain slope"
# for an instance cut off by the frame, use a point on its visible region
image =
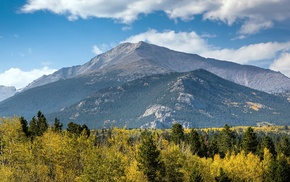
(6, 92)
(140, 59)
(195, 99)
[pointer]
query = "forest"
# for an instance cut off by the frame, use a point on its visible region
(35, 151)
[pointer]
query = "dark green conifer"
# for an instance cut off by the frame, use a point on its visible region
(57, 125)
(226, 140)
(268, 143)
(177, 133)
(284, 146)
(279, 170)
(24, 125)
(149, 159)
(250, 142)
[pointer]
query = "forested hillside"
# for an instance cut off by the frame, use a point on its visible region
(36, 151)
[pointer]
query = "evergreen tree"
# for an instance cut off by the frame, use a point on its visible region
(78, 129)
(24, 125)
(197, 145)
(194, 141)
(74, 128)
(148, 157)
(213, 147)
(38, 126)
(226, 141)
(177, 133)
(250, 142)
(57, 126)
(268, 143)
(86, 130)
(33, 127)
(279, 170)
(284, 146)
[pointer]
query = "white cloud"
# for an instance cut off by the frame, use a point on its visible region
(254, 15)
(96, 50)
(100, 49)
(19, 79)
(282, 64)
(191, 42)
(181, 41)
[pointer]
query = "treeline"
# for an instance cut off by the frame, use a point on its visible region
(38, 125)
(35, 151)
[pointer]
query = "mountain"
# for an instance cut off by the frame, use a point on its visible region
(195, 99)
(6, 92)
(143, 59)
(124, 63)
(55, 96)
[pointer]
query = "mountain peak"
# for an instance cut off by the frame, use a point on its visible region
(140, 59)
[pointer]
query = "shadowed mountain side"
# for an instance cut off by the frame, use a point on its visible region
(195, 99)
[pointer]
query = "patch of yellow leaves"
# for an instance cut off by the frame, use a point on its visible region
(254, 106)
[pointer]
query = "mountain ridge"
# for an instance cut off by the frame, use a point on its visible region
(194, 99)
(6, 92)
(147, 59)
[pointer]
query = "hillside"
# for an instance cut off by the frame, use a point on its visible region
(195, 99)
(6, 92)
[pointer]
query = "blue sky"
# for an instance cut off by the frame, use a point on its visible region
(38, 37)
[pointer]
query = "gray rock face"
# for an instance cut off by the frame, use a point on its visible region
(193, 99)
(6, 92)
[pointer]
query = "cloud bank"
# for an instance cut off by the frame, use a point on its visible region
(254, 15)
(282, 64)
(19, 79)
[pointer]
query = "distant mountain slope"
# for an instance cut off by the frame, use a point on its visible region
(6, 92)
(125, 63)
(195, 99)
(146, 59)
(55, 96)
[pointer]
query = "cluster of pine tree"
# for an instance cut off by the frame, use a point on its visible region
(36, 151)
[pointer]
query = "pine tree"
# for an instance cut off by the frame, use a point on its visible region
(78, 129)
(197, 145)
(279, 170)
(194, 141)
(38, 126)
(213, 147)
(86, 130)
(268, 143)
(149, 159)
(57, 126)
(74, 128)
(24, 125)
(250, 142)
(177, 133)
(284, 146)
(226, 141)
(42, 123)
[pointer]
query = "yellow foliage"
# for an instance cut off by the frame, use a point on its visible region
(58, 156)
(133, 174)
